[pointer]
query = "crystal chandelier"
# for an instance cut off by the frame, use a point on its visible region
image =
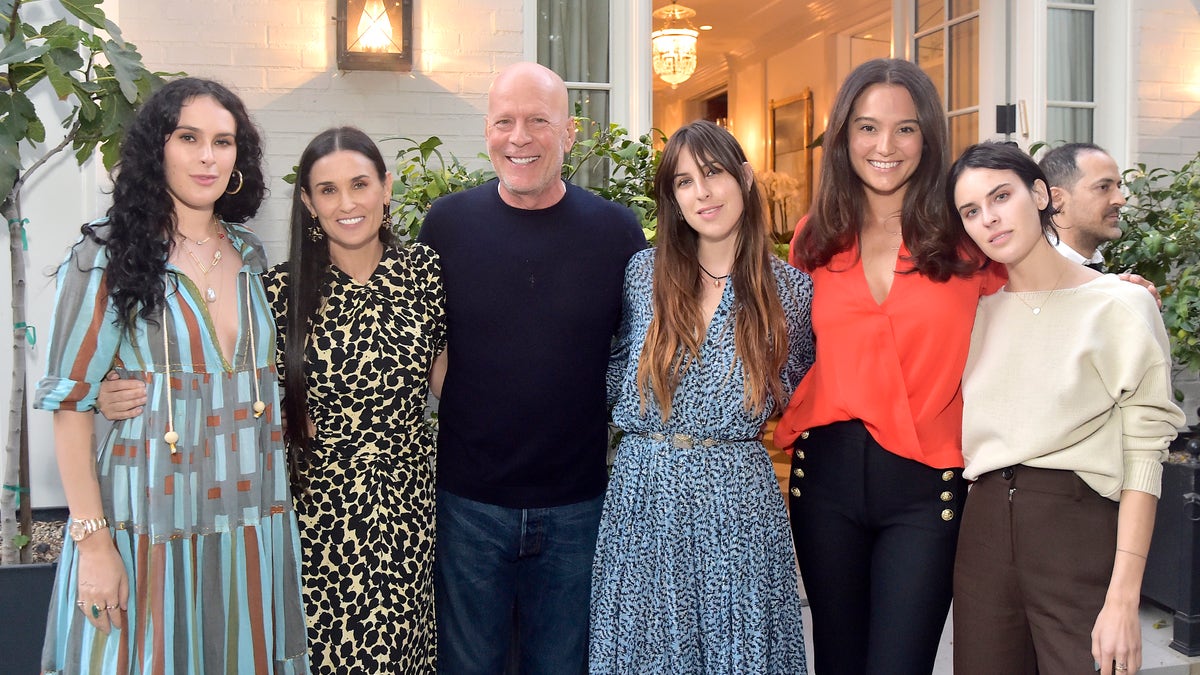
(674, 45)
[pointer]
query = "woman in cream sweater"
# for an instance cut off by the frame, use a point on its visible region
(1067, 417)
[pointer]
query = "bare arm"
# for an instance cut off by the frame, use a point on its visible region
(1117, 634)
(101, 574)
(437, 374)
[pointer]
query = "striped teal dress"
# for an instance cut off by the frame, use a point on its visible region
(207, 534)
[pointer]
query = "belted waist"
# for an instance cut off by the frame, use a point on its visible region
(688, 441)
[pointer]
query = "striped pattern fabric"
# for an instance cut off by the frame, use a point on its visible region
(208, 534)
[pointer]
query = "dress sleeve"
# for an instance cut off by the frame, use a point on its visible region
(795, 294)
(84, 336)
(275, 282)
(618, 358)
(436, 302)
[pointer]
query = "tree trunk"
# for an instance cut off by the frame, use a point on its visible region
(16, 454)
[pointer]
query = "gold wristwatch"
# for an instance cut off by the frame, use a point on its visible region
(81, 529)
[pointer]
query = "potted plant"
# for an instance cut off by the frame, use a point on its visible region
(1161, 241)
(87, 64)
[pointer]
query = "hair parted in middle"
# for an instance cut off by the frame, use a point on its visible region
(935, 244)
(308, 271)
(677, 328)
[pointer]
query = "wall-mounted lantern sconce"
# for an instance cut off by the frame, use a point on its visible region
(374, 35)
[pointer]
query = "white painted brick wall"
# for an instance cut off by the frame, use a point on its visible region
(1167, 72)
(279, 56)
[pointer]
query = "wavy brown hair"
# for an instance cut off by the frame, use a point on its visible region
(677, 328)
(935, 243)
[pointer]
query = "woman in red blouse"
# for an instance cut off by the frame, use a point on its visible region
(876, 484)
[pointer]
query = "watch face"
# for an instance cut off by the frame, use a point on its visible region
(76, 530)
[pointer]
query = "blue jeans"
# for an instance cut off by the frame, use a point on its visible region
(491, 560)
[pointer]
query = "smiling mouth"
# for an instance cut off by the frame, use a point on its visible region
(522, 161)
(350, 221)
(883, 165)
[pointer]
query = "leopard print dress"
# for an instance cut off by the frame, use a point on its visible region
(366, 515)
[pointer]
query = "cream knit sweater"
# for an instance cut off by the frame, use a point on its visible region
(1082, 386)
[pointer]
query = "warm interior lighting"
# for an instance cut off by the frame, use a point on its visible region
(374, 29)
(674, 45)
(374, 34)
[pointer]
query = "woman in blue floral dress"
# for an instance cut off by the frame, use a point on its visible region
(694, 569)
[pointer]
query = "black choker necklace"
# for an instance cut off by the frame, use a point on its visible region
(717, 280)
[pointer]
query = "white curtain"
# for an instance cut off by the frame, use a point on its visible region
(573, 41)
(1070, 74)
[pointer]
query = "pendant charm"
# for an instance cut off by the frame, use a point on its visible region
(210, 295)
(1036, 310)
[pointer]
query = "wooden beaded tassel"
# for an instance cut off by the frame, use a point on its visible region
(259, 406)
(171, 437)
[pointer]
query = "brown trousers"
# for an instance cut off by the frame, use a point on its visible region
(1035, 555)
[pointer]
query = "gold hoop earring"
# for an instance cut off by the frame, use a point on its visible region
(240, 183)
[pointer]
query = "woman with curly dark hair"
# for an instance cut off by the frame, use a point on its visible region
(182, 535)
(876, 485)
(361, 320)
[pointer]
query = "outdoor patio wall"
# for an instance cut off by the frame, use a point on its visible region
(1167, 112)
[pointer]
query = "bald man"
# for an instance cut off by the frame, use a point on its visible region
(533, 269)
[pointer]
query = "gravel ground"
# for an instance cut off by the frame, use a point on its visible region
(47, 540)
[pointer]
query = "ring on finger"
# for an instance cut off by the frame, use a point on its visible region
(107, 607)
(1120, 665)
(95, 611)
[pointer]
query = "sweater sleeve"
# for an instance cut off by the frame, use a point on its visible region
(1140, 377)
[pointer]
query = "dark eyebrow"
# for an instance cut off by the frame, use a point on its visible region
(329, 182)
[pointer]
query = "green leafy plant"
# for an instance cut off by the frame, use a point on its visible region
(422, 175)
(618, 168)
(101, 76)
(1161, 241)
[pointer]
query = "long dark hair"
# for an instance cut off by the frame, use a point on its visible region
(934, 243)
(142, 216)
(308, 272)
(676, 330)
(1002, 157)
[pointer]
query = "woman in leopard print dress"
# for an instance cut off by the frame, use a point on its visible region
(361, 322)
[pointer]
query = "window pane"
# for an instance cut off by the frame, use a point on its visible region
(931, 57)
(960, 7)
(1070, 55)
(930, 13)
(592, 104)
(573, 38)
(1069, 125)
(964, 131)
(964, 65)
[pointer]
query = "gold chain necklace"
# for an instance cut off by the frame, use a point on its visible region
(210, 294)
(1038, 309)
